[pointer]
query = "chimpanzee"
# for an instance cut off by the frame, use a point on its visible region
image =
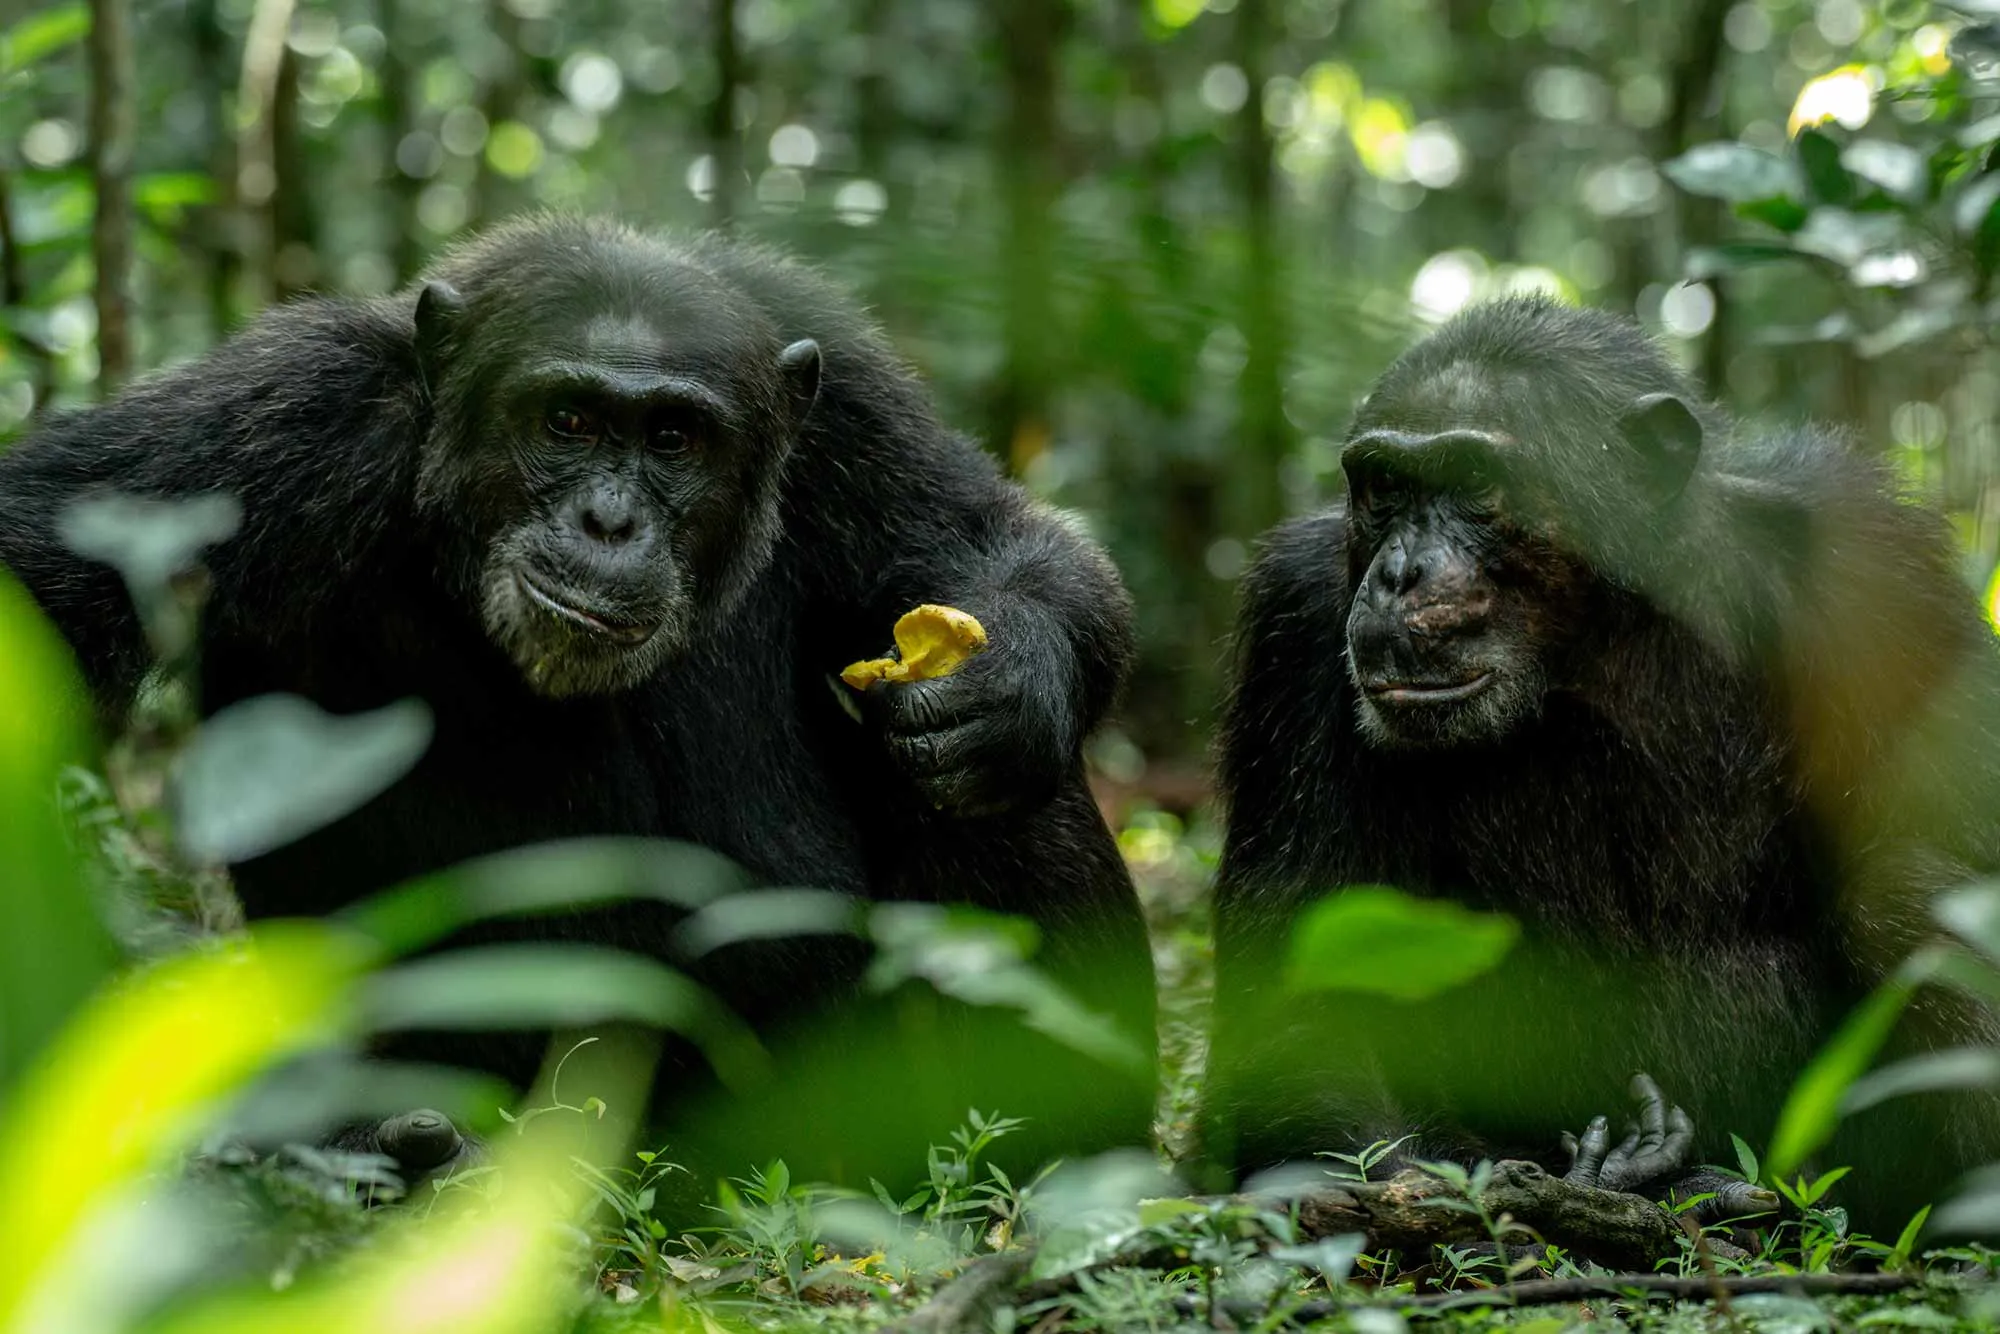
(618, 507)
(1706, 709)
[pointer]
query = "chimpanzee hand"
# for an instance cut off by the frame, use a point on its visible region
(1653, 1148)
(1654, 1153)
(995, 735)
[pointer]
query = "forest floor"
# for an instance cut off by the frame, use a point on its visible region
(970, 1258)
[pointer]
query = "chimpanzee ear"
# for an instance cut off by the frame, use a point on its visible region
(438, 311)
(1667, 434)
(800, 364)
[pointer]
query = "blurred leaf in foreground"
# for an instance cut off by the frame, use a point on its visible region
(1374, 939)
(124, 1086)
(261, 773)
(54, 949)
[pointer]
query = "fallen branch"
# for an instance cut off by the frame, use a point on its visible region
(1413, 1211)
(1550, 1291)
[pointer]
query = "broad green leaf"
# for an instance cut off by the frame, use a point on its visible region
(1779, 211)
(1374, 939)
(120, 1088)
(263, 772)
(1976, 1210)
(149, 541)
(559, 986)
(546, 878)
(53, 950)
(1899, 170)
(1819, 156)
(981, 958)
(1734, 172)
(765, 914)
(1957, 1068)
(40, 36)
(1813, 1107)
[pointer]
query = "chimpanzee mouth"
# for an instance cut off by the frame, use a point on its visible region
(625, 634)
(1408, 693)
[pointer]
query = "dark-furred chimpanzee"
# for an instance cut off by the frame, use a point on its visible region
(619, 508)
(1706, 709)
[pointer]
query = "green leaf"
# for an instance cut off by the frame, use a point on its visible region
(1906, 1242)
(765, 914)
(263, 772)
(1705, 262)
(1785, 214)
(1813, 1107)
(1733, 172)
(1956, 1068)
(1746, 1157)
(1819, 155)
(40, 36)
(162, 195)
(53, 950)
(980, 958)
(149, 541)
(1897, 169)
(1374, 939)
(546, 878)
(555, 986)
(1973, 915)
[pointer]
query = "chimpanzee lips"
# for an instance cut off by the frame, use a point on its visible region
(625, 634)
(1402, 692)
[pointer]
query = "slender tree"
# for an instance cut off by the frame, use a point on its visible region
(112, 129)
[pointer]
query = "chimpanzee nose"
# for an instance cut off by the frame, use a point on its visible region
(608, 516)
(1398, 571)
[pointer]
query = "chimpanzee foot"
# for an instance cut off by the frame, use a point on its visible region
(1655, 1147)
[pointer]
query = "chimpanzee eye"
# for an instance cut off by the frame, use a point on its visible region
(571, 423)
(673, 433)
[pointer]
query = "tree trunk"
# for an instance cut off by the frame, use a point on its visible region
(1264, 438)
(725, 145)
(112, 130)
(1031, 33)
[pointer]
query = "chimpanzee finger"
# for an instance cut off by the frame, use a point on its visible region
(1680, 1136)
(1652, 1111)
(971, 746)
(1618, 1162)
(928, 706)
(1590, 1151)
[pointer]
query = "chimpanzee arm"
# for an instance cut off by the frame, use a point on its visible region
(308, 418)
(895, 519)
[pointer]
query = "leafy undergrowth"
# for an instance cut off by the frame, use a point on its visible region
(1110, 1245)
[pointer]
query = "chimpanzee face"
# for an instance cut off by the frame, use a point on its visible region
(612, 475)
(1456, 604)
(1500, 475)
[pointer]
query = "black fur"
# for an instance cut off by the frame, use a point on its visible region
(386, 479)
(1757, 732)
